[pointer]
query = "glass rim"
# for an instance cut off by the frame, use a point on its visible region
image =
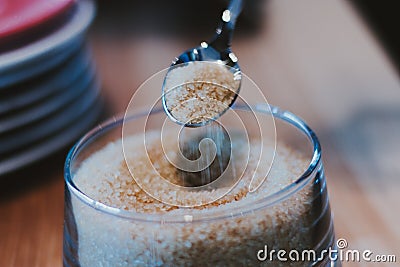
(239, 210)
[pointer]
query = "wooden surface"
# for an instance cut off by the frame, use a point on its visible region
(314, 58)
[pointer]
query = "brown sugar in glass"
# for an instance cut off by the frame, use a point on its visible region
(109, 221)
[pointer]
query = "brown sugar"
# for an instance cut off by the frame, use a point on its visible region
(231, 240)
(199, 91)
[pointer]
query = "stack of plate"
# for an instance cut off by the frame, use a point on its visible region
(49, 94)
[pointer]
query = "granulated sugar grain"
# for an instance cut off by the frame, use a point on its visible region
(231, 241)
(197, 92)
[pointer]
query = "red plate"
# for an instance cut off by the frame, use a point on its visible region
(19, 16)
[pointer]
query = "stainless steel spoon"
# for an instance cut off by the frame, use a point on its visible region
(217, 50)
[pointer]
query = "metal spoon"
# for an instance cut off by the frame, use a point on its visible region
(217, 50)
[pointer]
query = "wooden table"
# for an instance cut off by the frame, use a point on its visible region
(314, 58)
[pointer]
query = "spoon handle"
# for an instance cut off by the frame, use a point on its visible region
(223, 37)
(235, 8)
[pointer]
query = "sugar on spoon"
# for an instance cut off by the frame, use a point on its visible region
(218, 51)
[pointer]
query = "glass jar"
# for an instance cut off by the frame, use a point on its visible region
(291, 227)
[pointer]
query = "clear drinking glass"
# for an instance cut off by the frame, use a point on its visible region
(298, 217)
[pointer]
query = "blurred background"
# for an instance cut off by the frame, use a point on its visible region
(334, 63)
